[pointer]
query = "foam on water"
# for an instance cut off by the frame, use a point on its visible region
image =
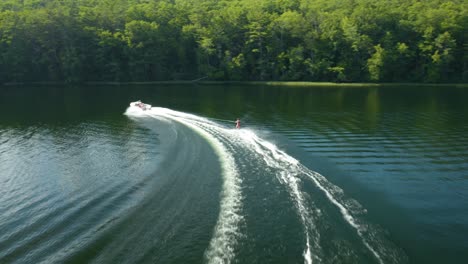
(289, 172)
(290, 169)
(226, 231)
(282, 164)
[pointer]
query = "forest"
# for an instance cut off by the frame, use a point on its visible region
(74, 41)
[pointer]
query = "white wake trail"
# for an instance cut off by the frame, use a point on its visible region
(226, 231)
(283, 165)
(291, 168)
(289, 172)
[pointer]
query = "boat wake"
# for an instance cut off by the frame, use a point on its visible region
(237, 149)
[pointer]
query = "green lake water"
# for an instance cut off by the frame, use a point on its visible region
(314, 175)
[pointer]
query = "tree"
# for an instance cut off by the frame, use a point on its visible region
(375, 63)
(320, 40)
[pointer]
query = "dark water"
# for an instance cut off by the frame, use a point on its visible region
(322, 175)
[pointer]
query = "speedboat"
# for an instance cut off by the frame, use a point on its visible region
(141, 105)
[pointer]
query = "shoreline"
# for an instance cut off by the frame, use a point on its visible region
(264, 83)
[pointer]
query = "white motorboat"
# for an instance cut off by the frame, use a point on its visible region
(141, 105)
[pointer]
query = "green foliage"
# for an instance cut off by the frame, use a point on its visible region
(294, 40)
(376, 62)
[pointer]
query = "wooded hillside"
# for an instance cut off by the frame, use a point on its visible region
(287, 40)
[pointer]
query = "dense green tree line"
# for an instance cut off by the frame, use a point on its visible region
(306, 40)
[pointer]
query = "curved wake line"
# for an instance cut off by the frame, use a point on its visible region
(344, 212)
(224, 239)
(291, 182)
(317, 178)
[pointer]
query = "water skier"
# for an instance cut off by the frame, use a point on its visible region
(238, 123)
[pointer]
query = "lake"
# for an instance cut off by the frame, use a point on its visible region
(314, 175)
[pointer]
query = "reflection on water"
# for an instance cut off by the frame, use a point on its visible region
(71, 164)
